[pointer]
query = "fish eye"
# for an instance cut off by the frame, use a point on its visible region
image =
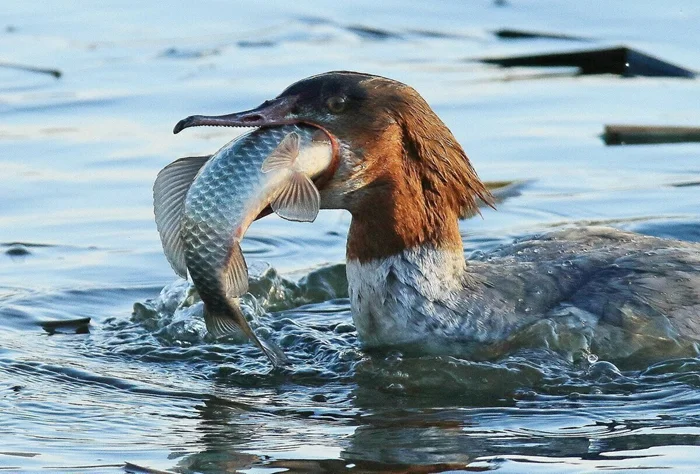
(336, 104)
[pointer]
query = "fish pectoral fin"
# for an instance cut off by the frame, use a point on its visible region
(235, 273)
(231, 321)
(284, 155)
(169, 192)
(298, 199)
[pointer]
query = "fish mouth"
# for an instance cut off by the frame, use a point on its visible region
(271, 113)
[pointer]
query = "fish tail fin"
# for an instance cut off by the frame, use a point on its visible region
(225, 322)
(273, 352)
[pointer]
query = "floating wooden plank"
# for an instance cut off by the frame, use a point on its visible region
(622, 61)
(71, 326)
(132, 468)
(646, 134)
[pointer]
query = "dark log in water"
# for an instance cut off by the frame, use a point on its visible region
(69, 326)
(132, 468)
(646, 134)
(622, 61)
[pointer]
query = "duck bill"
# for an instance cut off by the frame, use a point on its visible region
(269, 113)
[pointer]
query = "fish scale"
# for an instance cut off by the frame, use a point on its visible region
(204, 205)
(215, 203)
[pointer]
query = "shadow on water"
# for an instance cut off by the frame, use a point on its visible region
(375, 428)
(381, 405)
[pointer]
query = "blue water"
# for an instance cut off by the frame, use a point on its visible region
(143, 384)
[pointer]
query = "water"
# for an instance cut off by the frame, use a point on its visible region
(144, 384)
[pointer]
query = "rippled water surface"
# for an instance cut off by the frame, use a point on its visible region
(142, 383)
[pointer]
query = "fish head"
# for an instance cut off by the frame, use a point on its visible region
(387, 140)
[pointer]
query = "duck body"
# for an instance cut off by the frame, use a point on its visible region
(619, 293)
(406, 182)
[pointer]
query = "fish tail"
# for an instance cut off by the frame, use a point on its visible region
(228, 319)
(273, 352)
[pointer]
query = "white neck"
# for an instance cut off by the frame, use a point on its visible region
(401, 298)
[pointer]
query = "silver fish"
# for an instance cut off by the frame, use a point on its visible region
(204, 205)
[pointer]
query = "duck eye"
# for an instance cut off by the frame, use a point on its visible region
(336, 104)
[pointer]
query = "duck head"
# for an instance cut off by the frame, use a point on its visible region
(400, 172)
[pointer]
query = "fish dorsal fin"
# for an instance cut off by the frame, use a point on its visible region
(284, 155)
(169, 192)
(297, 199)
(235, 273)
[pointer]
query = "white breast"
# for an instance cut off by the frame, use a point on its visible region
(401, 299)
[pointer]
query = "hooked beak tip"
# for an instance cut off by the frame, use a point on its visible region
(182, 124)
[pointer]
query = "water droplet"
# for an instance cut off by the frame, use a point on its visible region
(344, 328)
(349, 355)
(527, 395)
(396, 387)
(319, 397)
(592, 358)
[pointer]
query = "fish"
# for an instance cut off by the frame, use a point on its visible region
(204, 205)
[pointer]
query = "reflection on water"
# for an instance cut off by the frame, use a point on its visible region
(142, 382)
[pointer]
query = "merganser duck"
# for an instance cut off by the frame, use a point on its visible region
(406, 181)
